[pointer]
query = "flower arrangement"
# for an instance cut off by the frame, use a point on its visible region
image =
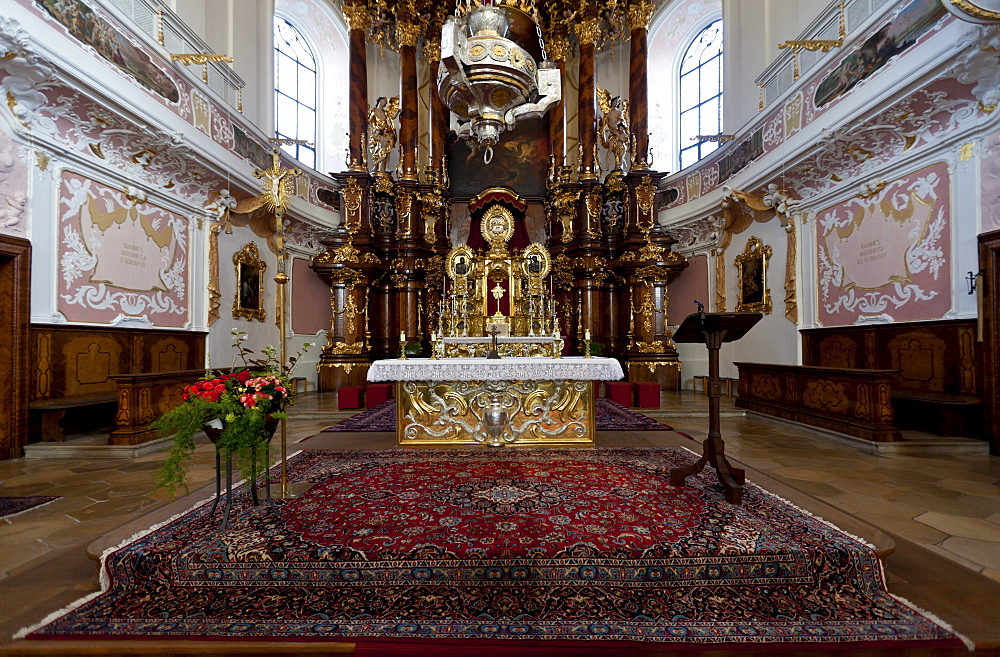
(244, 404)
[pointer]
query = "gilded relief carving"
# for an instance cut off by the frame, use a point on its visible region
(214, 287)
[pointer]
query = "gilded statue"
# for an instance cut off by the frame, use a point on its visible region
(382, 130)
(613, 128)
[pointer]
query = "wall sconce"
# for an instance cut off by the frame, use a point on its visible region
(971, 280)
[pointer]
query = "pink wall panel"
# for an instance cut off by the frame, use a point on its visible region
(310, 299)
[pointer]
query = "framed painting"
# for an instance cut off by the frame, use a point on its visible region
(249, 302)
(520, 161)
(751, 278)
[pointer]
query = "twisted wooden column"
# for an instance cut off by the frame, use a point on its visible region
(639, 16)
(587, 33)
(407, 34)
(357, 19)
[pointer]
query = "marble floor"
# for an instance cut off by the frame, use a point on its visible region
(942, 511)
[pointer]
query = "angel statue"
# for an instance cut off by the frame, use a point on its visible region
(382, 130)
(613, 129)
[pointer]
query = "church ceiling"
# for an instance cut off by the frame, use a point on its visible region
(564, 23)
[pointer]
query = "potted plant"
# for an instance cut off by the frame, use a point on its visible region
(239, 410)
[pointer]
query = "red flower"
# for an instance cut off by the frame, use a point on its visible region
(243, 376)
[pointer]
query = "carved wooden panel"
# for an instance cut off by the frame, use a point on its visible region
(851, 401)
(935, 357)
(81, 362)
(919, 357)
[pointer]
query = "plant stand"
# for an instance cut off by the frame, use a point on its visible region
(214, 435)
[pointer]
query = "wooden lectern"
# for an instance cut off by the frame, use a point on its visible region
(713, 329)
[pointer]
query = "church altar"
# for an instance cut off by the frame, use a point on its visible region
(470, 401)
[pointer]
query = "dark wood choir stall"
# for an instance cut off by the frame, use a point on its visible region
(86, 378)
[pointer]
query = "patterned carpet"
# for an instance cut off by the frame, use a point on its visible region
(547, 544)
(611, 416)
(10, 506)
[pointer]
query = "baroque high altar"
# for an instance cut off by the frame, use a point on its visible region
(400, 263)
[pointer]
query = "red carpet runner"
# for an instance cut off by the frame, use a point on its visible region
(546, 544)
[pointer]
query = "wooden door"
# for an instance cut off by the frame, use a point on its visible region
(989, 312)
(15, 274)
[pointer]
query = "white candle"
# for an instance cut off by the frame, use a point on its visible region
(402, 336)
(586, 334)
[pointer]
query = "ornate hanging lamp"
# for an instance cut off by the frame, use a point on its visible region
(488, 81)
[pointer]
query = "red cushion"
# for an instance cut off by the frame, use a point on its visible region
(619, 392)
(647, 394)
(377, 393)
(349, 397)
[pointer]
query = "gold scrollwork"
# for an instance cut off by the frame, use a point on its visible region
(646, 310)
(975, 11)
(656, 347)
(645, 194)
(344, 348)
(351, 195)
(404, 203)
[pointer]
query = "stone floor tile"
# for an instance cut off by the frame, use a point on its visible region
(968, 563)
(871, 504)
(967, 505)
(110, 509)
(985, 553)
(805, 474)
(905, 527)
(818, 489)
(961, 526)
(905, 474)
(992, 573)
(971, 487)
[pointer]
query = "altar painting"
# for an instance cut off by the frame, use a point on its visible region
(885, 254)
(120, 256)
(520, 161)
(111, 44)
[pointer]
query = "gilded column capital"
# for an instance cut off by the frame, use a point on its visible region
(558, 47)
(639, 15)
(588, 31)
(407, 34)
(356, 16)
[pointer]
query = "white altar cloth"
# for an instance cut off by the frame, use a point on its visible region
(573, 368)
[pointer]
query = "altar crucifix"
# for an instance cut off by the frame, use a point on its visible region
(494, 332)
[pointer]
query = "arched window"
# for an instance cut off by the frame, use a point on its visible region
(701, 94)
(294, 91)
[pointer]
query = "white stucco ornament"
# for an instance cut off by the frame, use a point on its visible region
(21, 72)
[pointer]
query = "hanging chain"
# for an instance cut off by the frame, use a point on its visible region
(538, 30)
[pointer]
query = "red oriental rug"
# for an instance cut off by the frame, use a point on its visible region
(610, 416)
(553, 545)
